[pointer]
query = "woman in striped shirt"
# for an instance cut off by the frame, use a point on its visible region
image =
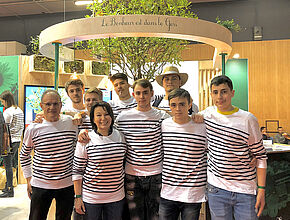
(98, 171)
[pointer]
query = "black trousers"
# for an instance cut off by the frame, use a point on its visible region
(41, 200)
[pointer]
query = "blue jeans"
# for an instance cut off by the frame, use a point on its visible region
(170, 210)
(105, 211)
(226, 205)
(143, 196)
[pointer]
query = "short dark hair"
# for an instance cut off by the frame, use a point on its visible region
(122, 76)
(262, 128)
(279, 127)
(51, 91)
(95, 90)
(145, 83)
(221, 80)
(8, 97)
(182, 93)
(106, 106)
(75, 82)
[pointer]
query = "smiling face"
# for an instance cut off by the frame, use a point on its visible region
(91, 99)
(75, 93)
(143, 97)
(222, 97)
(121, 87)
(51, 106)
(179, 107)
(170, 82)
(102, 119)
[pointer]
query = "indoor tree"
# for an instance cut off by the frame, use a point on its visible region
(139, 57)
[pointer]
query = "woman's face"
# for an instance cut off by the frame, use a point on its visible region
(3, 102)
(102, 118)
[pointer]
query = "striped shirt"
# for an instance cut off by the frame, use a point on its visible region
(232, 141)
(99, 164)
(15, 118)
(184, 163)
(119, 106)
(53, 144)
(86, 123)
(142, 131)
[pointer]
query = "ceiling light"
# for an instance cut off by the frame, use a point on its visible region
(236, 56)
(82, 2)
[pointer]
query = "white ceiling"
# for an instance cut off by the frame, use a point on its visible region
(31, 7)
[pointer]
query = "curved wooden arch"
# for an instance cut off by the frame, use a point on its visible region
(135, 26)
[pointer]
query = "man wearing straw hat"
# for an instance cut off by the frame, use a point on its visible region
(171, 79)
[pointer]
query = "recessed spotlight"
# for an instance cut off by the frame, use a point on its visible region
(236, 56)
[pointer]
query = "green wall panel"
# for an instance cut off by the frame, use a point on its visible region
(237, 70)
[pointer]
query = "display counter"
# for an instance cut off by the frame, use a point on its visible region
(278, 183)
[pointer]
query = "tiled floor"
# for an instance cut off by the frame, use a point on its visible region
(16, 208)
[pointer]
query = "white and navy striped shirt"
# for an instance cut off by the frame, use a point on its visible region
(184, 163)
(119, 106)
(232, 141)
(142, 131)
(86, 124)
(53, 144)
(100, 166)
(15, 118)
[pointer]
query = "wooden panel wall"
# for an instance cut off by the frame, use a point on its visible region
(269, 79)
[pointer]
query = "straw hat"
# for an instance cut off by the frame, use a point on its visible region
(171, 70)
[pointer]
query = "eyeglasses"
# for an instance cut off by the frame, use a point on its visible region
(48, 104)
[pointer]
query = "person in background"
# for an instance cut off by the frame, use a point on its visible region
(282, 137)
(91, 96)
(75, 90)
(125, 101)
(53, 142)
(235, 188)
(184, 163)
(98, 171)
(265, 135)
(14, 117)
(171, 79)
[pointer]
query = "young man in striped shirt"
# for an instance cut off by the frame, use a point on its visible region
(53, 143)
(125, 101)
(184, 163)
(141, 127)
(235, 189)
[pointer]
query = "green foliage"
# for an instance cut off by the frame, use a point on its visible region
(139, 57)
(33, 47)
(43, 63)
(229, 24)
(99, 68)
(74, 66)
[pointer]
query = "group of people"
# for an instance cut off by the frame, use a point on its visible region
(151, 156)
(281, 137)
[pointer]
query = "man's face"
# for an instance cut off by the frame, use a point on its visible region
(280, 130)
(75, 92)
(121, 87)
(51, 106)
(170, 82)
(222, 97)
(142, 96)
(91, 99)
(179, 107)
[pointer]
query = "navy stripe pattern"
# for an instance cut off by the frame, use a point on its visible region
(53, 155)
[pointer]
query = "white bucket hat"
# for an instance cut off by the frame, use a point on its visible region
(171, 70)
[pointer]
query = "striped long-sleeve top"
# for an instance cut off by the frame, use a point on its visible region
(142, 131)
(184, 163)
(15, 119)
(53, 144)
(233, 139)
(119, 106)
(99, 164)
